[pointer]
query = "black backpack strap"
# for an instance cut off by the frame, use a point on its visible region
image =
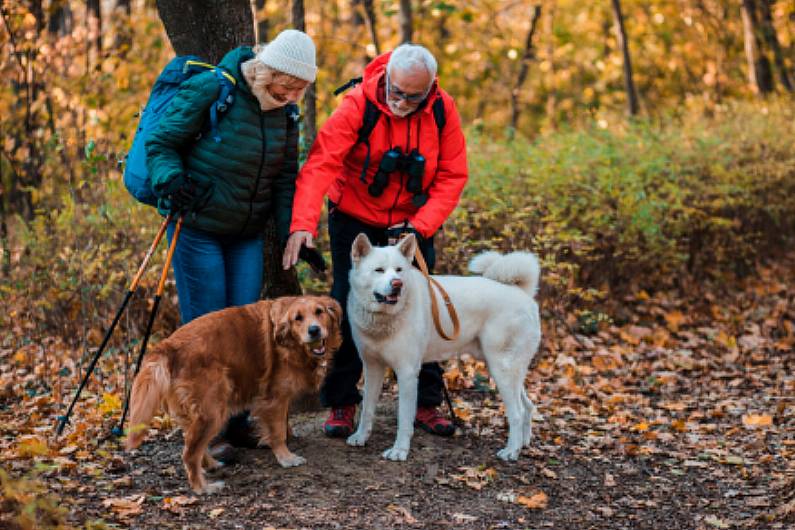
(439, 115)
(371, 115)
(353, 82)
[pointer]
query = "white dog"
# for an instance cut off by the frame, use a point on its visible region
(389, 310)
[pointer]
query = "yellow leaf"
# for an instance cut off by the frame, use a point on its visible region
(110, 403)
(757, 420)
(640, 427)
(215, 513)
(30, 446)
(537, 501)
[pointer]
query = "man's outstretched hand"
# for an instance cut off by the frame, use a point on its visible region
(298, 239)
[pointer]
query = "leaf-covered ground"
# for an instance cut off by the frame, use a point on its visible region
(678, 414)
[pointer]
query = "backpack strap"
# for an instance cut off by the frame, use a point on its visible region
(225, 98)
(371, 115)
(439, 115)
(351, 83)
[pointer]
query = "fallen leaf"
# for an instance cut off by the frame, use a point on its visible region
(537, 501)
(30, 446)
(713, 520)
(215, 512)
(757, 420)
(125, 507)
(403, 512)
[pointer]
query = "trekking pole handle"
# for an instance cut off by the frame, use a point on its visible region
(149, 253)
(162, 285)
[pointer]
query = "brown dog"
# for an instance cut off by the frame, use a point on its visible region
(258, 357)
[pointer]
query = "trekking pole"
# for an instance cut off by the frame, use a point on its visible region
(63, 420)
(118, 430)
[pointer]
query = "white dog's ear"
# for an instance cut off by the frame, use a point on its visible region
(361, 247)
(408, 246)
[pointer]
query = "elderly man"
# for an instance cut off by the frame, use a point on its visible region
(391, 158)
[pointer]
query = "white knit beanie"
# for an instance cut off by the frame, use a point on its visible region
(291, 52)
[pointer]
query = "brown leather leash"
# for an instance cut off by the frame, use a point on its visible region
(434, 304)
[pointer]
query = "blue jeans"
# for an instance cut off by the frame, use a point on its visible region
(214, 272)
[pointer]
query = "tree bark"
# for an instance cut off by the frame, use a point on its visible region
(310, 100)
(406, 23)
(207, 28)
(623, 43)
(529, 54)
(94, 24)
(369, 18)
(551, 108)
(192, 31)
(771, 39)
(759, 74)
(60, 22)
(260, 25)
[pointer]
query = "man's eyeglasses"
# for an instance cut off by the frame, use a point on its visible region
(393, 92)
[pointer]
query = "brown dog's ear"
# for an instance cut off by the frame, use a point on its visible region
(333, 307)
(280, 318)
(408, 246)
(361, 247)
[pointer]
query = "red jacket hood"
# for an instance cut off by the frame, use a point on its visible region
(371, 79)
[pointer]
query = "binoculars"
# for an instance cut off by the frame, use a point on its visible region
(413, 164)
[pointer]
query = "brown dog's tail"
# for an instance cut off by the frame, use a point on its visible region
(148, 392)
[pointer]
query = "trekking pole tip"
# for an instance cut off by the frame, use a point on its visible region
(117, 431)
(62, 420)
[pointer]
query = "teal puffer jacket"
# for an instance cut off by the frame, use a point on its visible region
(252, 169)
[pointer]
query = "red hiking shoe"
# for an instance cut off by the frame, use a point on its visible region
(431, 420)
(340, 422)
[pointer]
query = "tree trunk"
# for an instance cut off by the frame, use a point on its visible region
(528, 55)
(310, 100)
(60, 23)
(369, 18)
(94, 26)
(759, 74)
(192, 31)
(771, 38)
(551, 109)
(623, 43)
(406, 24)
(260, 25)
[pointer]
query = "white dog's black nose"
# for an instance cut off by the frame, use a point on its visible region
(314, 331)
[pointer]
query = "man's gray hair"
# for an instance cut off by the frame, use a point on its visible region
(411, 56)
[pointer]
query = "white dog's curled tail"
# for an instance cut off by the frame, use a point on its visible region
(517, 268)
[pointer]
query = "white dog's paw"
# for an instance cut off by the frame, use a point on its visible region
(292, 460)
(212, 487)
(396, 453)
(527, 435)
(357, 439)
(508, 453)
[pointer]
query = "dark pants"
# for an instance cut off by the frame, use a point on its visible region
(339, 387)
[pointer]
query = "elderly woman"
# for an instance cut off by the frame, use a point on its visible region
(227, 187)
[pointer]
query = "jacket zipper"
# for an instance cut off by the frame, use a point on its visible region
(259, 173)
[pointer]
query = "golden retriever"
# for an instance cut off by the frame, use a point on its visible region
(258, 357)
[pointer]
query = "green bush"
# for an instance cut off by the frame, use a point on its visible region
(635, 207)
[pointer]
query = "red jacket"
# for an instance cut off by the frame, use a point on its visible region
(335, 161)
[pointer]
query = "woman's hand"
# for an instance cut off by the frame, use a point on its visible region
(293, 247)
